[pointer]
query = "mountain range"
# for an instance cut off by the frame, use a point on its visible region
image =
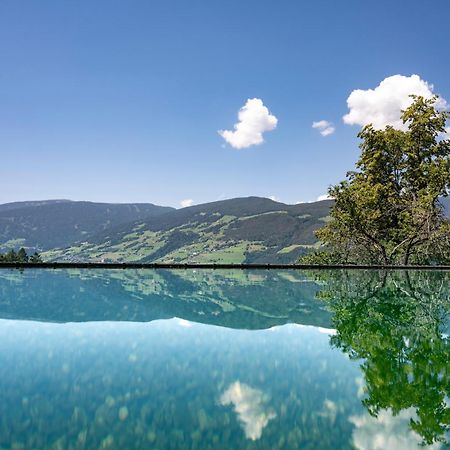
(240, 230)
(44, 225)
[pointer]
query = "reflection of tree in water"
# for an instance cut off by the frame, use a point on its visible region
(398, 323)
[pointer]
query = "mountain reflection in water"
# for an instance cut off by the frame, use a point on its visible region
(232, 298)
(129, 359)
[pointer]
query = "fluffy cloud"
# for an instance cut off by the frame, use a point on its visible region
(329, 411)
(325, 128)
(184, 323)
(329, 331)
(386, 432)
(186, 203)
(318, 199)
(254, 120)
(382, 106)
(251, 407)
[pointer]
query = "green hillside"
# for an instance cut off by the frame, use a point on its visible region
(44, 225)
(239, 230)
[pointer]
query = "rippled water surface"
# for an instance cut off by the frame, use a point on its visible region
(140, 359)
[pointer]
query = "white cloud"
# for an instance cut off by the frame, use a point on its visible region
(187, 202)
(318, 199)
(274, 198)
(254, 120)
(386, 432)
(325, 128)
(329, 331)
(383, 105)
(329, 410)
(251, 407)
(184, 323)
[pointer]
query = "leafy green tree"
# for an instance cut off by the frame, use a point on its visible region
(387, 211)
(397, 324)
(11, 256)
(22, 255)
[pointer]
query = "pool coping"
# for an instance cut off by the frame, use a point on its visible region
(95, 265)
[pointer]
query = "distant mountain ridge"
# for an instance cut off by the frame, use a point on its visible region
(44, 225)
(250, 229)
(25, 204)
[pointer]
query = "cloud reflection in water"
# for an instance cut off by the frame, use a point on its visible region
(250, 405)
(387, 432)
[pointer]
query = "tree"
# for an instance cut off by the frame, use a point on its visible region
(396, 324)
(11, 256)
(22, 255)
(387, 211)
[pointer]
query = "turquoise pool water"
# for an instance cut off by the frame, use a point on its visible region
(209, 359)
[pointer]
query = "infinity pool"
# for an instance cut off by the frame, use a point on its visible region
(215, 359)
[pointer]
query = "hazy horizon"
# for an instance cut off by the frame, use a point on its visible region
(151, 202)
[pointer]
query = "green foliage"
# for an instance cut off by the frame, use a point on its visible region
(20, 257)
(387, 211)
(321, 257)
(395, 322)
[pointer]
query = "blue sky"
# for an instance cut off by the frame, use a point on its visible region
(122, 101)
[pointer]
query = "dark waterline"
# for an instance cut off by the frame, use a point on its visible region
(96, 265)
